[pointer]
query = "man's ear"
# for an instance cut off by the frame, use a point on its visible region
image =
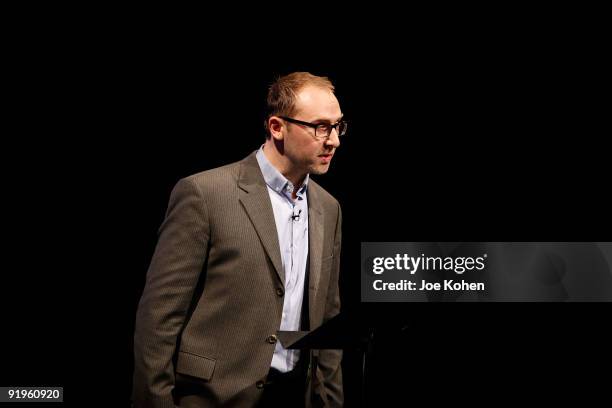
(275, 125)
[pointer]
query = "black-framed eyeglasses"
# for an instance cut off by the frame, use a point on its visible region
(322, 130)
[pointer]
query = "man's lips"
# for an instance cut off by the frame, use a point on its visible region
(326, 158)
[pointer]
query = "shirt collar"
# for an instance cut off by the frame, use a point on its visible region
(275, 180)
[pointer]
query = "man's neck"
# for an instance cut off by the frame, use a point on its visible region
(282, 164)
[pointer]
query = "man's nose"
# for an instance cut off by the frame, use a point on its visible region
(333, 139)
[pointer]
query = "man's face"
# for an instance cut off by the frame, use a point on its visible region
(302, 148)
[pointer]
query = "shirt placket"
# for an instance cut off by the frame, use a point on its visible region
(291, 279)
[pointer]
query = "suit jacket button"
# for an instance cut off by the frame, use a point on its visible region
(272, 339)
(280, 292)
(259, 384)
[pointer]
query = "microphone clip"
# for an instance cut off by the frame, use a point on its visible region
(296, 217)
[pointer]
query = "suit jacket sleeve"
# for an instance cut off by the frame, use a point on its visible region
(329, 361)
(171, 279)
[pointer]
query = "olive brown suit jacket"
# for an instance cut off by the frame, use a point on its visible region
(213, 299)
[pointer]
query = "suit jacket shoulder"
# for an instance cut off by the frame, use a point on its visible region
(215, 182)
(215, 178)
(323, 195)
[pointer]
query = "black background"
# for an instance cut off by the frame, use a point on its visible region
(476, 137)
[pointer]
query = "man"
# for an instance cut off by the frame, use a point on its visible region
(246, 250)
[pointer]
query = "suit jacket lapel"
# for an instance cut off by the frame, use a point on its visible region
(256, 201)
(315, 250)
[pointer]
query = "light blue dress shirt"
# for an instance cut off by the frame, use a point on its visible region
(293, 240)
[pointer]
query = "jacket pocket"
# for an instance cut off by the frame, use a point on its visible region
(195, 366)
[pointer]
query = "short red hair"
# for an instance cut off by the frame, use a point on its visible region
(283, 92)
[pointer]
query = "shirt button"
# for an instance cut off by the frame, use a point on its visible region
(280, 292)
(259, 384)
(272, 339)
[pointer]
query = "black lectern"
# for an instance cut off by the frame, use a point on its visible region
(340, 332)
